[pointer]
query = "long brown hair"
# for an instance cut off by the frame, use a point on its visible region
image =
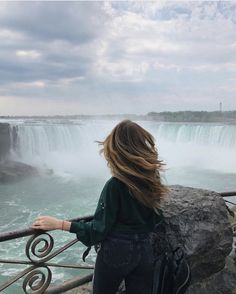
(133, 158)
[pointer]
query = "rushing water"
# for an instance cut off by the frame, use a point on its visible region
(197, 155)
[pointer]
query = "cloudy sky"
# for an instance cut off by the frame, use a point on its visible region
(116, 57)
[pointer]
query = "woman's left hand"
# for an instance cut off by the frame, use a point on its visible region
(47, 223)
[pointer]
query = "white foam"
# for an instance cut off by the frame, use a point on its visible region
(69, 150)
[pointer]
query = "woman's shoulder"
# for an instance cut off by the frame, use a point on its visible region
(114, 182)
(111, 189)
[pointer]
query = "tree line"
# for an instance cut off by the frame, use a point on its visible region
(194, 116)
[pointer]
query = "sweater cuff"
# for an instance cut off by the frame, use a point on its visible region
(80, 228)
(74, 227)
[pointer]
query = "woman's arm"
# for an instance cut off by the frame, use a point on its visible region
(51, 223)
(94, 231)
(89, 232)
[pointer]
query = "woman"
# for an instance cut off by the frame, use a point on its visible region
(128, 210)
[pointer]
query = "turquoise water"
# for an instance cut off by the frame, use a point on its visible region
(193, 155)
(22, 202)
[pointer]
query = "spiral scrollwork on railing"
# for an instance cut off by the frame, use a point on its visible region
(36, 282)
(33, 247)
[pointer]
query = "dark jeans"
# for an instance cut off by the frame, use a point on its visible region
(126, 257)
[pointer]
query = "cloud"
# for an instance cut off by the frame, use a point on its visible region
(75, 22)
(118, 56)
(28, 54)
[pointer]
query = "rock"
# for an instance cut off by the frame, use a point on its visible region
(197, 220)
(13, 170)
(5, 141)
(222, 282)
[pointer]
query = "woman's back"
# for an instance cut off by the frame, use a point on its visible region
(133, 216)
(117, 211)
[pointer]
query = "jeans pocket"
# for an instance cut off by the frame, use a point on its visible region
(117, 252)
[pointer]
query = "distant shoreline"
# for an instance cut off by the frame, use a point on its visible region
(222, 117)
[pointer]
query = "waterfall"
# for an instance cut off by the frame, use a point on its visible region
(70, 145)
(204, 134)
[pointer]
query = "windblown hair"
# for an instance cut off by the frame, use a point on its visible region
(133, 158)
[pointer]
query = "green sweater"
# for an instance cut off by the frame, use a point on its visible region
(117, 211)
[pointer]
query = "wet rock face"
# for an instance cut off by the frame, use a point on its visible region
(11, 171)
(5, 141)
(197, 220)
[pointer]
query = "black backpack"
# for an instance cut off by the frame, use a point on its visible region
(172, 274)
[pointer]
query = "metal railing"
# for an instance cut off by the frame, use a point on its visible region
(38, 259)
